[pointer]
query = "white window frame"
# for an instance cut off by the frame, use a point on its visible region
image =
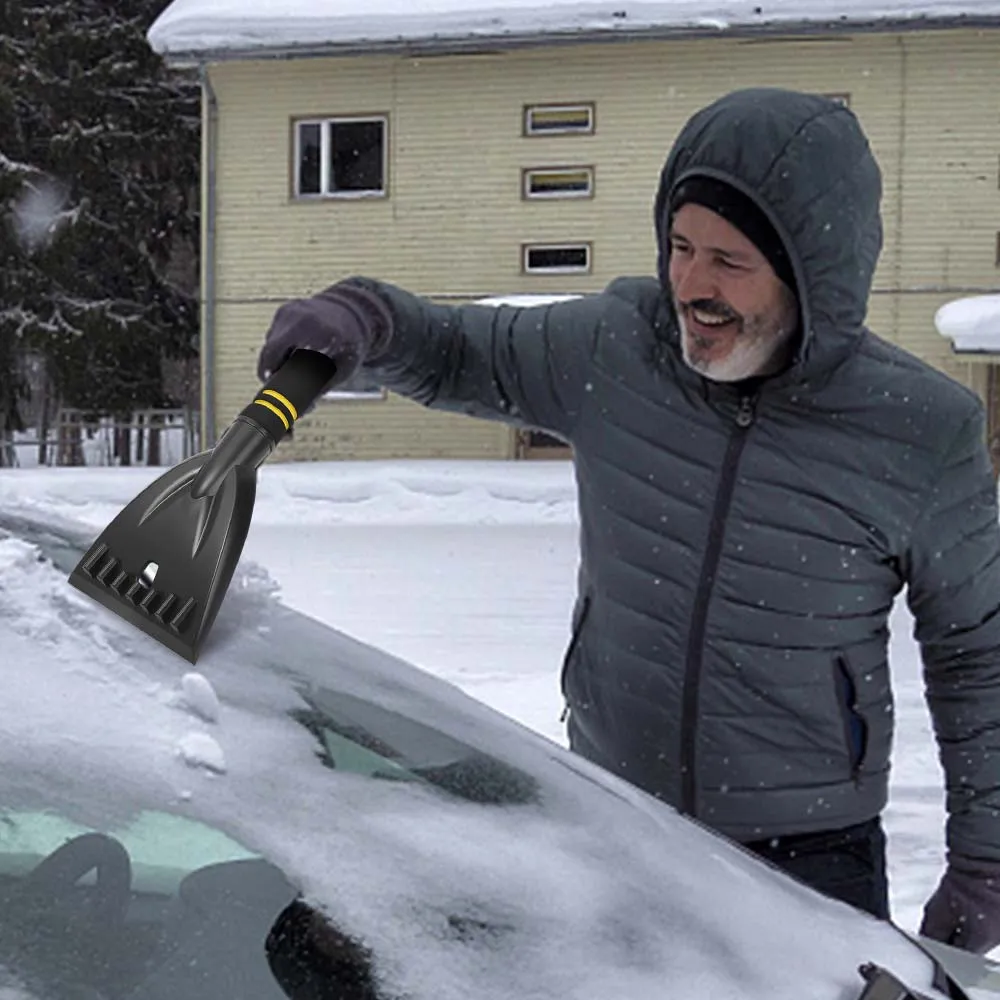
(342, 395)
(530, 172)
(324, 159)
(526, 249)
(587, 106)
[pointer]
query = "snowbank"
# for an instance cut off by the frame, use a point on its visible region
(191, 26)
(313, 493)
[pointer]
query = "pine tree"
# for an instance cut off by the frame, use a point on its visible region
(15, 175)
(99, 147)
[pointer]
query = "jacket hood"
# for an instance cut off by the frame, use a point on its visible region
(806, 162)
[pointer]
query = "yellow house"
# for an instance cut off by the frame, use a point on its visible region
(481, 153)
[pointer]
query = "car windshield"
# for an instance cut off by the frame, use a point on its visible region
(358, 737)
(314, 819)
(164, 905)
(167, 906)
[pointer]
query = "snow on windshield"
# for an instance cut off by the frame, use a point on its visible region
(194, 25)
(581, 895)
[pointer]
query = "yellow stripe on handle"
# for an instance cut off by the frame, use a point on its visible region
(284, 402)
(274, 409)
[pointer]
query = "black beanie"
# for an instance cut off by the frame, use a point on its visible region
(740, 210)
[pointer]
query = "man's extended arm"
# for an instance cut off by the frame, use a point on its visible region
(953, 572)
(525, 366)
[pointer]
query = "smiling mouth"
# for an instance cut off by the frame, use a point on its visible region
(710, 319)
(709, 322)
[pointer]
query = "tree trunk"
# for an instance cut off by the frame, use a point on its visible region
(155, 419)
(44, 420)
(123, 445)
(140, 437)
(8, 453)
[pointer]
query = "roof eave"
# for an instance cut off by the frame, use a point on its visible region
(479, 43)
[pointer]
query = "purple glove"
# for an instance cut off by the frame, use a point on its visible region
(345, 322)
(965, 909)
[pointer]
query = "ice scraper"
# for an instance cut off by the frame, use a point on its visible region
(165, 562)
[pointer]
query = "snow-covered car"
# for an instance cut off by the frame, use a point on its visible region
(305, 816)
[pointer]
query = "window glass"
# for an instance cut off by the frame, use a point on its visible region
(310, 158)
(163, 848)
(360, 738)
(356, 156)
(555, 119)
(557, 259)
(567, 183)
(165, 907)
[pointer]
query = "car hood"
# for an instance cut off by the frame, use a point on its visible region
(577, 884)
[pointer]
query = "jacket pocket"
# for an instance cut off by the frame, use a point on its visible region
(574, 641)
(855, 727)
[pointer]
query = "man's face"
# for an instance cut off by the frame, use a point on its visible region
(737, 318)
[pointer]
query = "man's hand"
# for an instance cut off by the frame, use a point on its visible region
(965, 909)
(345, 322)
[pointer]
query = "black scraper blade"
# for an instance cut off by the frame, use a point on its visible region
(166, 561)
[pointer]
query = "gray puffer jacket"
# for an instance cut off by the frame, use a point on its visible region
(741, 549)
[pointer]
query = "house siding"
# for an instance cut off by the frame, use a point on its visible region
(454, 222)
(950, 183)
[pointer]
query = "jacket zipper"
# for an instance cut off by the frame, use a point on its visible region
(699, 614)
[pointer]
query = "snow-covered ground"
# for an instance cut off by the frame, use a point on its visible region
(468, 570)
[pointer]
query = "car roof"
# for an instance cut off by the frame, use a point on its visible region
(586, 887)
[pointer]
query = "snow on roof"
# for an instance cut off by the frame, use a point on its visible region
(971, 324)
(242, 26)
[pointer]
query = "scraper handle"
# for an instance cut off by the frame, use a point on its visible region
(289, 392)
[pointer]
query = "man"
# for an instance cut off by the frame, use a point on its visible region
(759, 476)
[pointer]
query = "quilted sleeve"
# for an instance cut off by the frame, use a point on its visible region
(953, 576)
